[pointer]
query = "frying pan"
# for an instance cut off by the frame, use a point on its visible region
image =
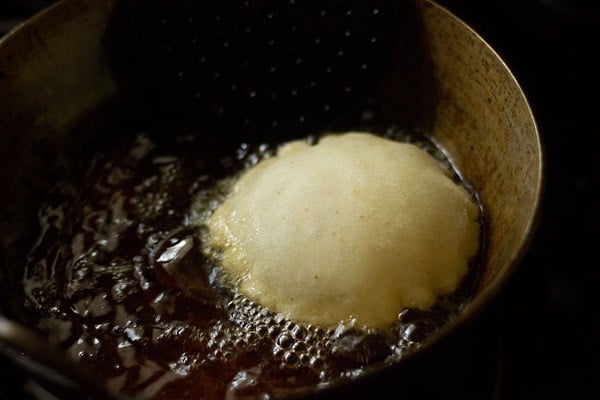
(446, 81)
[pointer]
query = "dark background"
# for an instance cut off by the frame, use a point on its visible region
(540, 338)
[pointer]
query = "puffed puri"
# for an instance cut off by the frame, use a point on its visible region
(356, 227)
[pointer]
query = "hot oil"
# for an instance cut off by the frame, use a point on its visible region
(118, 279)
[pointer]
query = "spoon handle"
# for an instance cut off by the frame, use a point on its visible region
(48, 365)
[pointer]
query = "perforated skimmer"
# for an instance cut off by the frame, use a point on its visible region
(255, 65)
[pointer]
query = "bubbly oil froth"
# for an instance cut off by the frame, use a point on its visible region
(108, 280)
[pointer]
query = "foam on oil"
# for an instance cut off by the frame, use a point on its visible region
(116, 278)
